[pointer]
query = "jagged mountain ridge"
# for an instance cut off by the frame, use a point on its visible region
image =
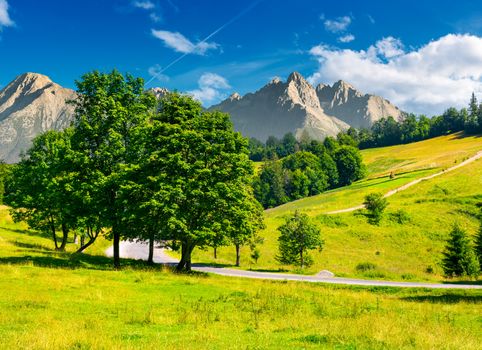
(29, 106)
(33, 104)
(296, 106)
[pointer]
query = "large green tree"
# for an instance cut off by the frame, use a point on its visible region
(298, 235)
(108, 110)
(39, 189)
(197, 178)
(349, 164)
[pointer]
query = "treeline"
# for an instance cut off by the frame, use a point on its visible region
(388, 131)
(307, 169)
(134, 167)
(3, 175)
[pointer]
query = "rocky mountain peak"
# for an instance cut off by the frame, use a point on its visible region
(235, 97)
(30, 105)
(296, 78)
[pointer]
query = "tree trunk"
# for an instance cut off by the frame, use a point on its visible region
(215, 252)
(92, 238)
(54, 234)
(116, 242)
(301, 258)
(238, 255)
(65, 235)
(185, 262)
(150, 259)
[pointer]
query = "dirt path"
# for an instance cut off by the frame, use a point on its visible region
(413, 183)
(139, 250)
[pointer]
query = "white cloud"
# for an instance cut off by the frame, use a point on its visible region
(210, 89)
(155, 17)
(156, 72)
(389, 47)
(145, 5)
(180, 43)
(346, 38)
(337, 25)
(440, 74)
(5, 20)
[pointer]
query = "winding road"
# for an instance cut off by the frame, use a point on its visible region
(139, 250)
(477, 156)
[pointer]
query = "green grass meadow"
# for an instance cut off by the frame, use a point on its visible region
(53, 300)
(408, 250)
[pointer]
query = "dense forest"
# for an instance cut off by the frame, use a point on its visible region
(307, 169)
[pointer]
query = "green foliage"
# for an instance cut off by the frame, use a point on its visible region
(478, 244)
(306, 173)
(375, 203)
(400, 216)
(298, 235)
(349, 164)
(39, 187)
(195, 179)
(459, 257)
(269, 185)
(4, 172)
(387, 131)
(366, 266)
(109, 110)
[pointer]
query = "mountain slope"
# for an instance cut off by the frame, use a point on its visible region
(30, 105)
(350, 105)
(408, 242)
(296, 106)
(279, 108)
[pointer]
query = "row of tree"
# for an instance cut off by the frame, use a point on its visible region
(388, 131)
(134, 167)
(307, 173)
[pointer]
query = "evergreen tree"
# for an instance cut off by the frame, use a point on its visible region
(459, 257)
(478, 244)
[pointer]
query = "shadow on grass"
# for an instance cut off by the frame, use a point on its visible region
(62, 260)
(451, 298)
(27, 232)
(35, 247)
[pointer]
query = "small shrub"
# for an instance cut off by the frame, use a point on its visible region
(400, 216)
(375, 204)
(429, 269)
(408, 276)
(366, 266)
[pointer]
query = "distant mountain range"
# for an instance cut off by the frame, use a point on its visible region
(33, 104)
(296, 106)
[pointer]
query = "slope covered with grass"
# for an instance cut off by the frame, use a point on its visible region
(54, 300)
(409, 241)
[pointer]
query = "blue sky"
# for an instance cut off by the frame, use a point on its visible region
(422, 55)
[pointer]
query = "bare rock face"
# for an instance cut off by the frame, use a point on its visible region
(29, 106)
(279, 108)
(295, 106)
(350, 105)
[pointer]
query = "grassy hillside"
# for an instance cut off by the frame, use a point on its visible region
(55, 300)
(409, 251)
